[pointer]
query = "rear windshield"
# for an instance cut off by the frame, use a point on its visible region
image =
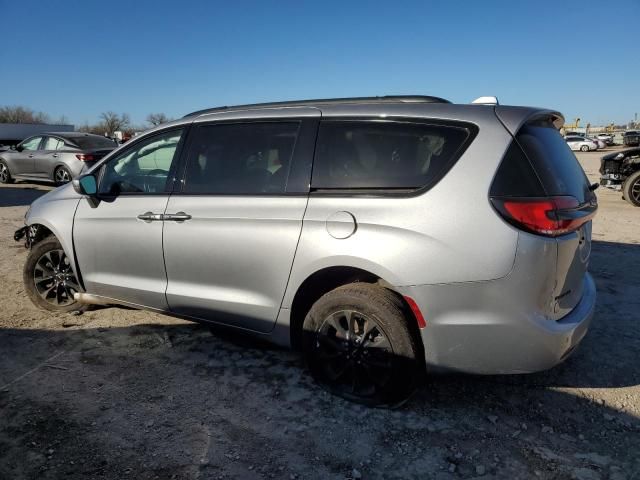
(94, 142)
(384, 154)
(554, 162)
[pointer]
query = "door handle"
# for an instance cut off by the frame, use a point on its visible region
(55, 155)
(177, 217)
(31, 155)
(150, 217)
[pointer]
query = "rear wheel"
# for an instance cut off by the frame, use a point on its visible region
(584, 148)
(631, 189)
(358, 345)
(5, 174)
(49, 279)
(62, 175)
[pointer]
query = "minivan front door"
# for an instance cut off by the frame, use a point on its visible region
(231, 233)
(118, 240)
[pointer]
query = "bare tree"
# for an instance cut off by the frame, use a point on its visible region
(20, 114)
(156, 119)
(112, 122)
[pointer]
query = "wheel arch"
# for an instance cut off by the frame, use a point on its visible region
(45, 229)
(329, 278)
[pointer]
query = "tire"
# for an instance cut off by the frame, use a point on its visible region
(61, 175)
(631, 189)
(584, 148)
(358, 345)
(5, 174)
(55, 293)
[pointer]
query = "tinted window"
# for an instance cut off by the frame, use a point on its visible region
(515, 176)
(32, 143)
(143, 168)
(553, 161)
(251, 158)
(379, 154)
(93, 142)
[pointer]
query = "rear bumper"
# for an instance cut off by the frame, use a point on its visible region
(470, 330)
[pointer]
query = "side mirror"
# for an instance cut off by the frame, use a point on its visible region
(19, 148)
(85, 185)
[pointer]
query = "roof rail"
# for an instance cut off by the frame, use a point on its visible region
(326, 101)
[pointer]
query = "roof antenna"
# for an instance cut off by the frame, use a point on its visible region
(486, 101)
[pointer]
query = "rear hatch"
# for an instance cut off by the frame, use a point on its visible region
(547, 193)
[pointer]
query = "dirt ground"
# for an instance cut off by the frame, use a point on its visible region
(117, 393)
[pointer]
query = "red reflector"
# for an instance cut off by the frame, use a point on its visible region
(84, 157)
(550, 216)
(416, 312)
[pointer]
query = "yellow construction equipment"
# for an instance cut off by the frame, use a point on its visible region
(575, 124)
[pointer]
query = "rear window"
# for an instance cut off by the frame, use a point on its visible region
(384, 155)
(92, 143)
(554, 163)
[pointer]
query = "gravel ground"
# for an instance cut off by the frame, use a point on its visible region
(118, 393)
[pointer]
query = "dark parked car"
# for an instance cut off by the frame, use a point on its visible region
(631, 138)
(621, 171)
(54, 157)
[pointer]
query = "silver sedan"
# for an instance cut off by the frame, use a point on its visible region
(581, 143)
(53, 157)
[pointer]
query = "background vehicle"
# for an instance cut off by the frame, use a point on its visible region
(621, 171)
(600, 143)
(631, 138)
(581, 143)
(606, 138)
(327, 225)
(54, 157)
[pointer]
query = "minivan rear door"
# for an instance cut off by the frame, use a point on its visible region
(562, 176)
(232, 227)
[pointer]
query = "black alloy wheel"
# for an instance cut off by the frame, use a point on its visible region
(62, 175)
(49, 278)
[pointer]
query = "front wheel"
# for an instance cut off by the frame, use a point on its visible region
(358, 345)
(631, 189)
(49, 279)
(5, 174)
(584, 148)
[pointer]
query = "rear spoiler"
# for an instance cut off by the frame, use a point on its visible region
(514, 117)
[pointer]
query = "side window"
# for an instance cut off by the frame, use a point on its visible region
(248, 158)
(53, 143)
(32, 144)
(143, 168)
(384, 155)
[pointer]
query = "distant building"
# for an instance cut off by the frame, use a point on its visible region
(12, 133)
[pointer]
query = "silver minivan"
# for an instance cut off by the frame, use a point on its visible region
(384, 237)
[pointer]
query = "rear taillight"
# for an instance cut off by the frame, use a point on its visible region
(549, 216)
(83, 157)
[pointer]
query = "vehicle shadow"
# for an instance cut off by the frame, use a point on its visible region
(85, 389)
(15, 196)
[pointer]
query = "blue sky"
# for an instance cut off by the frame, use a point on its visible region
(80, 58)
